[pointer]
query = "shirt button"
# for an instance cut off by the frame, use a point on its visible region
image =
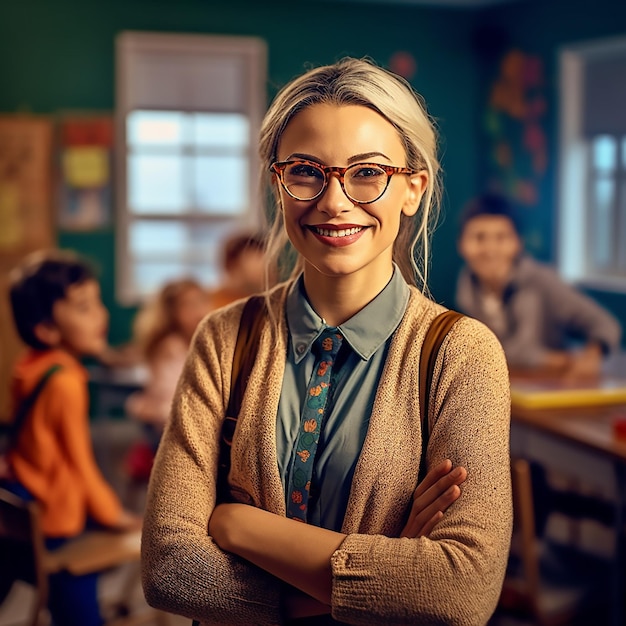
(300, 348)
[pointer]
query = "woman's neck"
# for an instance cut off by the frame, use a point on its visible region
(337, 298)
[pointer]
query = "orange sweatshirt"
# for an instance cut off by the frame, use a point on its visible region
(53, 457)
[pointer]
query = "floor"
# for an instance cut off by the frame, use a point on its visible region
(111, 441)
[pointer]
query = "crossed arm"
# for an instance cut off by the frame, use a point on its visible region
(279, 545)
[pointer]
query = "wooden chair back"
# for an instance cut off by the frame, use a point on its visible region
(27, 558)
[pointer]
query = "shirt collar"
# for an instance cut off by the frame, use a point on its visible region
(365, 332)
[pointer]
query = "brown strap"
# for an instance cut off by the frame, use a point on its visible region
(246, 350)
(435, 335)
(244, 357)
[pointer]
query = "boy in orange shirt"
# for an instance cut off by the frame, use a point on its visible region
(55, 299)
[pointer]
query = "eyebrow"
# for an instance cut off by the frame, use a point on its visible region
(357, 158)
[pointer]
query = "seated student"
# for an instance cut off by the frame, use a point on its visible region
(58, 313)
(162, 332)
(243, 260)
(533, 312)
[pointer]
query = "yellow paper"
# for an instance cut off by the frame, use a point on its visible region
(537, 395)
(86, 167)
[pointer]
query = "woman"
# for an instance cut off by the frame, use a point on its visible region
(352, 159)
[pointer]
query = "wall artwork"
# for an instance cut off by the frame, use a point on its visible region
(85, 164)
(514, 122)
(25, 184)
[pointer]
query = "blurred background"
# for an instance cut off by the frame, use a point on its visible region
(128, 129)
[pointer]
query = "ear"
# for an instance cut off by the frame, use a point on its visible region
(48, 333)
(417, 186)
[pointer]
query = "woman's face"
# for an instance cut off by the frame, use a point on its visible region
(336, 236)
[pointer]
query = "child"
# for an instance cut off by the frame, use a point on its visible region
(534, 313)
(57, 309)
(243, 259)
(322, 524)
(163, 331)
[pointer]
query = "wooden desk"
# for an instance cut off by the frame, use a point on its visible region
(580, 443)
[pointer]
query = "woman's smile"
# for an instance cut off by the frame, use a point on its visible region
(337, 235)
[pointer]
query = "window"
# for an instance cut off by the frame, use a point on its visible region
(592, 208)
(188, 113)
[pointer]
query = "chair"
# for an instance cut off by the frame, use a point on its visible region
(29, 560)
(524, 587)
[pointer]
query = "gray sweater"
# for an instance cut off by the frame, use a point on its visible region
(541, 312)
(453, 577)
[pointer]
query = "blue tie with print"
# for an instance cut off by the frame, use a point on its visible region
(325, 349)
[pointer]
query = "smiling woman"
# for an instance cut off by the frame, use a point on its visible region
(326, 451)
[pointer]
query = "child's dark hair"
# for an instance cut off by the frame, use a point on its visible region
(37, 283)
(237, 245)
(489, 204)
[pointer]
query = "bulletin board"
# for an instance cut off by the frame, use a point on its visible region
(26, 216)
(85, 166)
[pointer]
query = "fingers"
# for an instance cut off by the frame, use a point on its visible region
(436, 473)
(439, 479)
(432, 497)
(423, 517)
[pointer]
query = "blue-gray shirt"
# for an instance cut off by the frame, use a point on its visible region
(357, 371)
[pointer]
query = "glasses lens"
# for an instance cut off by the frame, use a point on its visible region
(303, 180)
(365, 182)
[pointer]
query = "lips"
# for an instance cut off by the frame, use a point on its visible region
(337, 236)
(337, 232)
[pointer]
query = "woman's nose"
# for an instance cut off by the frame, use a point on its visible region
(334, 200)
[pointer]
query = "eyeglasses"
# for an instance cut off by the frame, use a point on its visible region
(363, 183)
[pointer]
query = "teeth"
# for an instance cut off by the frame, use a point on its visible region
(325, 232)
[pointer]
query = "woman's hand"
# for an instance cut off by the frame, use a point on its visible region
(439, 489)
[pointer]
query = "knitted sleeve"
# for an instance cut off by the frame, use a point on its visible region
(453, 577)
(183, 570)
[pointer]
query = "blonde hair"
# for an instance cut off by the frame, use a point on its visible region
(157, 319)
(361, 82)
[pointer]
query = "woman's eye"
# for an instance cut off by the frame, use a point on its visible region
(367, 171)
(305, 171)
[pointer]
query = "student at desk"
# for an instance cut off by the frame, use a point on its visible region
(56, 306)
(534, 313)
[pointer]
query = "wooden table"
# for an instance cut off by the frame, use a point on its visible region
(580, 443)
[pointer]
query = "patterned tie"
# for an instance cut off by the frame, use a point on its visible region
(325, 348)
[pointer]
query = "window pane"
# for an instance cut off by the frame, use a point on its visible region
(221, 184)
(222, 130)
(154, 237)
(604, 149)
(603, 197)
(172, 248)
(155, 128)
(156, 184)
(150, 276)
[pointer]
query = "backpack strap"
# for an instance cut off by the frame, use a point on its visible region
(244, 357)
(436, 333)
(27, 404)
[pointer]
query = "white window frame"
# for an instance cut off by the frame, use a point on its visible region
(575, 170)
(130, 46)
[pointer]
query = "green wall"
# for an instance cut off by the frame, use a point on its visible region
(57, 56)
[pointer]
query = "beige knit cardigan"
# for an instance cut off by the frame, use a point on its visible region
(453, 577)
